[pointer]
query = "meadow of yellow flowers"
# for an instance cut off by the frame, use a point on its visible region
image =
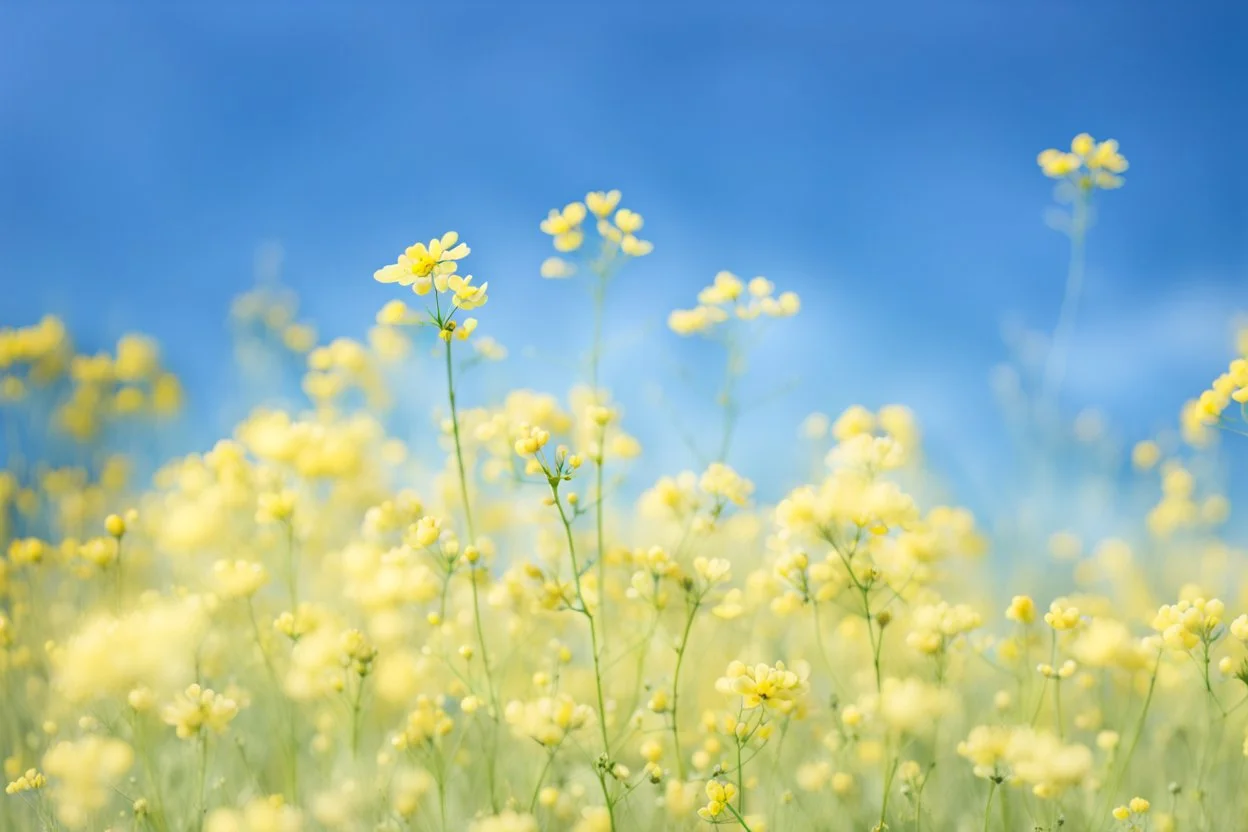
(307, 628)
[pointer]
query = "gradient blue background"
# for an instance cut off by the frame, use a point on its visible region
(877, 158)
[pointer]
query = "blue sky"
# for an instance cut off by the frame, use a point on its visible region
(877, 158)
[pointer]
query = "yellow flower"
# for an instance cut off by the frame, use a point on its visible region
(84, 774)
(425, 723)
(421, 260)
(198, 708)
(1061, 617)
(1089, 163)
(634, 247)
(1022, 609)
(601, 204)
(548, 720)
(1058, 165)
(629, 222)
(718, 795)
(395, 313)
(776, 688)
(723, 483)
(1145, 455)
(239, 578)
(30, 781)
(562, 222)
(557, 267)
(115, 525)
(467, 296)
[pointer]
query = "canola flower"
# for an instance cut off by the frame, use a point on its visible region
(309, 626)
(1088, 166)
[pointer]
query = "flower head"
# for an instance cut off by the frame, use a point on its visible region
(1089, 163)
(776, 688)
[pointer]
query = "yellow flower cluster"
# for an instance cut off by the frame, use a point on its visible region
(83, 774)
(548, 720)
(1089, 164)
(29, 781)
(267, 814)
(618, 233)
(198, 708)
(1036, 758)
(338, 617)
(776, 688)
(102, 388)
(936, 625)
(718, 796)
(1212, 408)
(432, 268)
(1132, 812)
(730, 297)
(1186, 624)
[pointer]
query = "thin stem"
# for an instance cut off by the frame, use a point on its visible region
(491, 767)
(355, 718)
(680, 659)
(442, 797)
(595, 360)
(877, 643)
(889, 773)
(740, 780)
(292, 749)
(1209, 686)
(595, 352)
(118, 582)
(1056, 366)
(541, 777)
(200, 808)
(727, 400)
(459, 451)
(737, 815)
(1057, 706)
(992, 790)
(292, 566)
(1135, 738)
(145, 758)
(593, 642)
(601, 537)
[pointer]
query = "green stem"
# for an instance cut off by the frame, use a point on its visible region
(1057, 706)
(442, 800)
(292, 567)
(145, 758)
(889, 773)
(877, 643)
(1056, 366)
(491, 768)
(118, 584)
(355, 718)
(292, 749)
(727, 400)
(200, 808)
(601, 536)
(992, 790)
(595, 359)
(738, 816)
(680, 659)
(1135, 740)
(593, 643)
(823, 650)
(541, 777)
(740, 780)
